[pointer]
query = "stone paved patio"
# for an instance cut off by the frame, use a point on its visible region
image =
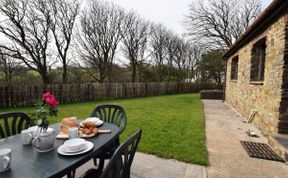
(149, 166)
(224, 129)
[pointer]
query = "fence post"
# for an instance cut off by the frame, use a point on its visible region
(89, 91)
(125, 90)
(1, 97)
(7, 97)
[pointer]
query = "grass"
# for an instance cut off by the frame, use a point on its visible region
(173, 126)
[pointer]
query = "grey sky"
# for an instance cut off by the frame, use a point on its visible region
(169, 12)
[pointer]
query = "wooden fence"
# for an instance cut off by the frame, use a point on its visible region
(27, 95)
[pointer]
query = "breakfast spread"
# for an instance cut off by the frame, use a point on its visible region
(88, 127)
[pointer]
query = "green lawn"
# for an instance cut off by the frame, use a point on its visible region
(173, 126)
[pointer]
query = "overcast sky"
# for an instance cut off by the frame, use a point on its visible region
(169, 12)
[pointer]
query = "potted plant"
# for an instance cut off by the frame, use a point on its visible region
(44, 138)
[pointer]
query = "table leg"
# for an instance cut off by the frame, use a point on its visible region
(71, 174)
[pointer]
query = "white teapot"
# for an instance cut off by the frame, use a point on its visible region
(45, 140)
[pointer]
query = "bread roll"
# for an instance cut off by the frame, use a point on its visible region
(86, 131)
(95, 131)
(89, 124)
(67, 123)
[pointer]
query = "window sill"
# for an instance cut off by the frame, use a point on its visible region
(234, 81)
(256, 82)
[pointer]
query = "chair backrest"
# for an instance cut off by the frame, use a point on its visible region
(111, 113)
(12, 123)
(121, 161)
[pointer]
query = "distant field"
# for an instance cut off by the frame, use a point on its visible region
(173, 126)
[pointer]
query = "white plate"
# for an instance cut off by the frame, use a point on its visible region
(90, 145)
(67, 150)
(74, 143)
(93, 119)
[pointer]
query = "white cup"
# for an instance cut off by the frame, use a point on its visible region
(27, 136)
(73, 132)
(5, 159)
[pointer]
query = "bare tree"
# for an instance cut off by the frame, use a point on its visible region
(135, 38)
(171, 45)
(63, 14)
(10, 67)
(218, 23)
(189, 64)
(181, 58)
(194, 55)
(100, 35)
(159, 42)
(27, 25)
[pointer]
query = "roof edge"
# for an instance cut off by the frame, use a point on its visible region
(274, 9)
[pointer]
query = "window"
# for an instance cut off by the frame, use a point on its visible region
(258, 61)
(234, 68)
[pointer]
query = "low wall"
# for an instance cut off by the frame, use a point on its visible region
(211, 94)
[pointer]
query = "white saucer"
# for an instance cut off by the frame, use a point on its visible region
(89, 146)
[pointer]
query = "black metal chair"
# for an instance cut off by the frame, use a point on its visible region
(12, 123)
(110, 113)
(120, 164)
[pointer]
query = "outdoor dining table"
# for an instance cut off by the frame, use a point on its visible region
(27, 162)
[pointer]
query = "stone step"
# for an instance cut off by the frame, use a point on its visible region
(279, 143)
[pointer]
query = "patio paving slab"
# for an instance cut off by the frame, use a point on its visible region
(150, 166)
(227, 158)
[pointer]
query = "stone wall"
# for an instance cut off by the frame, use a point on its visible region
(263, 97)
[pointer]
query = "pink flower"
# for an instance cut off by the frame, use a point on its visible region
(46, 95)
(50, 99)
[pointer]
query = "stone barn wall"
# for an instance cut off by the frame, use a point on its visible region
(264, 97)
